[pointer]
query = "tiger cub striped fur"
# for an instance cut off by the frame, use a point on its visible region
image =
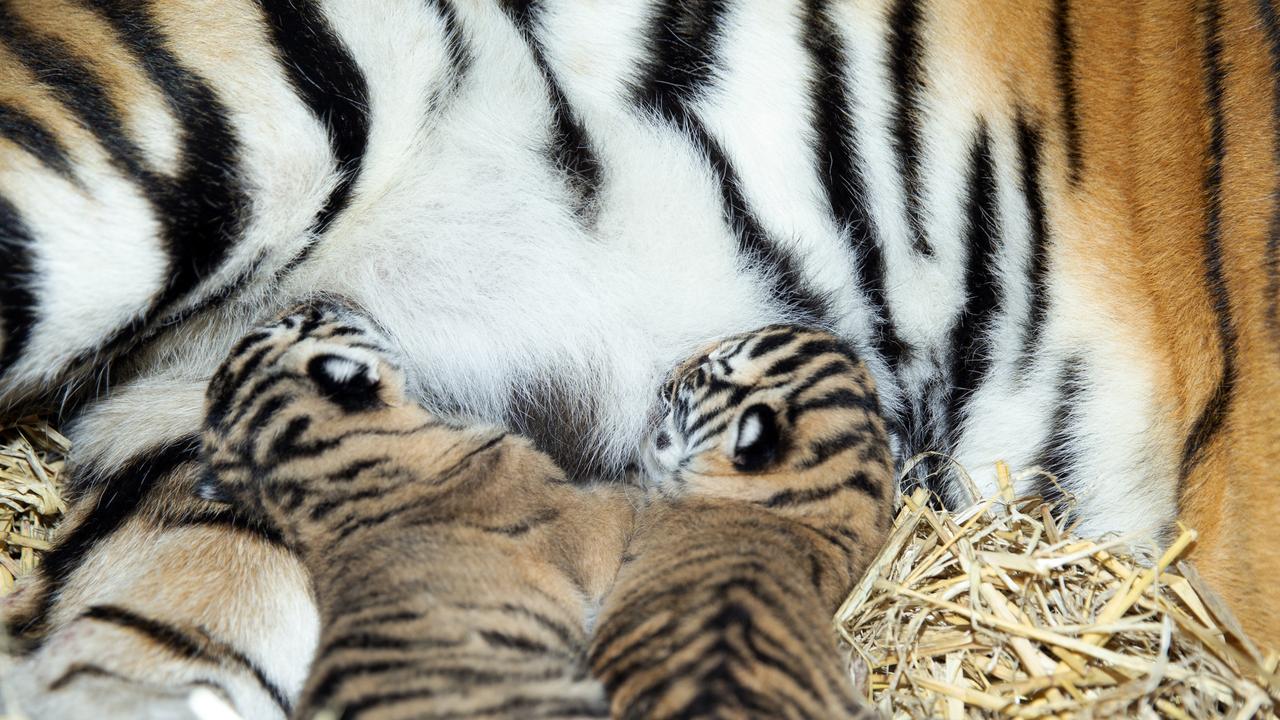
(776, 483)
(456, 569)
(452, 565)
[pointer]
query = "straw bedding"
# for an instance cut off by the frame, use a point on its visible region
(993, 611)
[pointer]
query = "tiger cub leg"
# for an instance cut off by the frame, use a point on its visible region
(453, 567)
(151, 594)
(774, 491)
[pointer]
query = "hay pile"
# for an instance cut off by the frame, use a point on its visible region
(995, 611)
(31, 463)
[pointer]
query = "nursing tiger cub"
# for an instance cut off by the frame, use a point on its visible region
(452, 565)
(775, 485)
(455, 567)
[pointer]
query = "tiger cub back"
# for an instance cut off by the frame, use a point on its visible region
(452, 566)
(776, 486)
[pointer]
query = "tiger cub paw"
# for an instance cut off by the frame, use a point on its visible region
(777, 415)
(320, 364)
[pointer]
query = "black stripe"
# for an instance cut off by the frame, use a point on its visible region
(684, 38)
(455, 42)
(839, 169)
(17, 278)
(327, 78)
(774, 340)
(78, 670)
(570, 146)
(1030, 143)
(163, 634)
(122, 493)
(201, 648)
(857, 481)
(804, 354)
(325, 686)
(1064, 50)
(524, 525)
(1056, 455)
(230, 521)
(1214, 414)
(822, 450)
(499, 639)
(844, 398)
(1271, 26)
(906, 70)
(971, 335)
(205, 209)
(74, 85)
(31, 136)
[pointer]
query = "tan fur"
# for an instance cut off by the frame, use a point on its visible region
(761, 556)
(454, 566)
(453, 570)
(1128, 252)
(1130, 236)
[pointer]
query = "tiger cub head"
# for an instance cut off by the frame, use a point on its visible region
(780, 415)
(283, 400)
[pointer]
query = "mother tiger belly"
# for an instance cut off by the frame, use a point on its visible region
(1042, 259)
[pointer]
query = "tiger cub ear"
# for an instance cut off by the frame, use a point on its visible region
(350, 382)
(759, 438)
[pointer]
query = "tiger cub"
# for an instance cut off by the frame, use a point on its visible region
(774, 483)
(452, 566)
(456, 571)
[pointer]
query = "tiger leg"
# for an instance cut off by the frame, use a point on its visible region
(775, 487)
(150, 594)
(453, 566)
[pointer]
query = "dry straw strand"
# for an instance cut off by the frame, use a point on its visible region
(997, 610)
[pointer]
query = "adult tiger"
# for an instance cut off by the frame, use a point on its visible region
(1051, 228)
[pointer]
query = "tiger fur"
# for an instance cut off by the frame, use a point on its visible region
(1051, 228)
(455, 567)
(776, 486)
(452, 566)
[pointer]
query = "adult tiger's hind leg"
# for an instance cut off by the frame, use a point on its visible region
(151, 593)
(775, 488)
(453, 566)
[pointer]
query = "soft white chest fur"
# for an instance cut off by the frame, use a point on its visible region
(463, 239)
